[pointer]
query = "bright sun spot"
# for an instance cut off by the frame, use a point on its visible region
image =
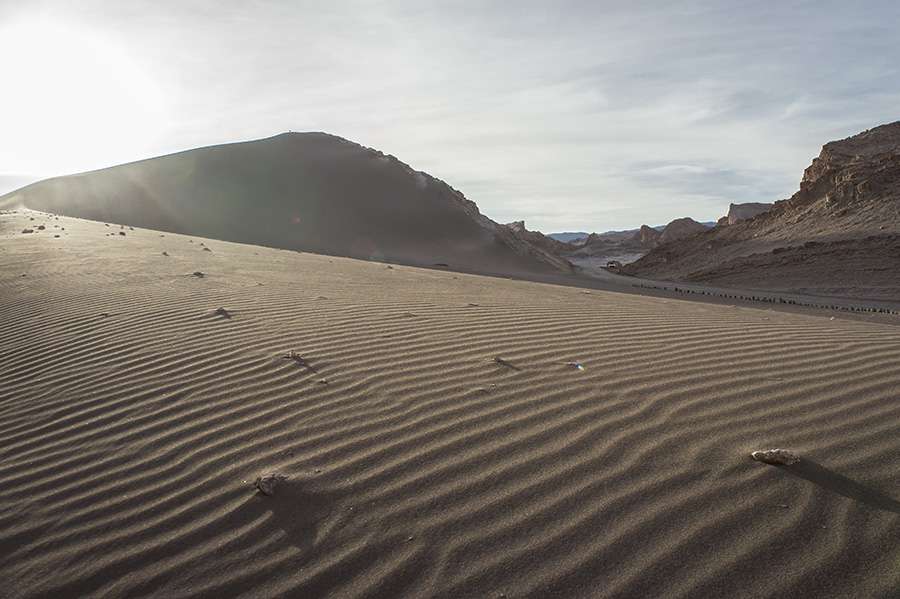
(71, 101)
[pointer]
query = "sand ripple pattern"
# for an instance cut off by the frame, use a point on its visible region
(133, 420)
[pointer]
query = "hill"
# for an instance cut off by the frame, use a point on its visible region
(679, 229)
(302, 191)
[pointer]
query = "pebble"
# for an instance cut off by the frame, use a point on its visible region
(777, 457)
(267, 483)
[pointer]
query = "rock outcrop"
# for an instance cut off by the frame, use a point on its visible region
(647, 237)
(739, 212)
(838, 235)
(776, 457)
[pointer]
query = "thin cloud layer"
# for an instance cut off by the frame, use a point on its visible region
(571, 115)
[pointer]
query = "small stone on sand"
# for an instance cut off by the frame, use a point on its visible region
(506, 363)
(776, 457)
(299, 359)
(267, 483)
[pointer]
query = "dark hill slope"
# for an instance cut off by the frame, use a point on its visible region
(303, 191)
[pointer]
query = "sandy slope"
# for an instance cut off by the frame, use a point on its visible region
(133, 421)
(297, 191)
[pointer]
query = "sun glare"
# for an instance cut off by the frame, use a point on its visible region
(71, 99)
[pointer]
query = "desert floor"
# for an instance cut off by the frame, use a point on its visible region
(135, 417)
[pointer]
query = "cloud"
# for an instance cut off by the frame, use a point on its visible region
(707, 187)
(573, 115)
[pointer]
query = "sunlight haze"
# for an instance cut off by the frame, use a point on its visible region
(553, 112)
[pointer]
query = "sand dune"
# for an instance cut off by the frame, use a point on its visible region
(300, 191)
(134, 420)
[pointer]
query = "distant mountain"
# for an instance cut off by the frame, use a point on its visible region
(597, 249)
(567, 237)
(705, 223)
(303, 191)
(838, 235)
(610, 235)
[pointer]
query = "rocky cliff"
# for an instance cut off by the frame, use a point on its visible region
(739, 212)
(849, 197)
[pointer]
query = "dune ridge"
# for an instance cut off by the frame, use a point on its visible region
(135, 419)
(298, 191)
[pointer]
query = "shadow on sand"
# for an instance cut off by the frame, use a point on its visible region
(294, 510)
(840, 484)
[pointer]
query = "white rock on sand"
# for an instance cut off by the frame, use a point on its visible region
(778, 457)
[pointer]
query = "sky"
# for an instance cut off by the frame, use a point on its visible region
(571, 115)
